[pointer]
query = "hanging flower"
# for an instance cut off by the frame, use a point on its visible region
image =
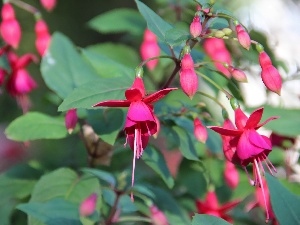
(243, 36)
(140, 122)
(149, 48)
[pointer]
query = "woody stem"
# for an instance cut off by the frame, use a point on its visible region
(175, 71)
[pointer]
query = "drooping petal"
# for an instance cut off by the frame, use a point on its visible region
(137, 91)
(24, 60)
(157, 95)
(113, 103)
(267, 121)
(254, 118)
(259, 140)
(224, 131)
(240, 119)
(228, 206)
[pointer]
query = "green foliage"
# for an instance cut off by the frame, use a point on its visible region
(202, 219)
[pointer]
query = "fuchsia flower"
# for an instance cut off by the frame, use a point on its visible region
(196, 27)
(215, 48)
(231, 175)
(188, 76)
(149, 48)
(10, 28)
(245, 145)
(71, 120)
(157, 216)
(243, 36)
(211, 206)
(269, 74)
(140, 122)
(88, 205)
(200, 131)
(48, 4)
(43, 37)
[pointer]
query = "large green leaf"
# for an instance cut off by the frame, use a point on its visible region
(63, 68)
(58, 210)
(35, 125)
(102, 175)
(155, 23)
(118, 20)
(64, 183)
(95, 91)
(203, 219)
(156, 161)
(285, 205)
(176, 36)
(287, 123)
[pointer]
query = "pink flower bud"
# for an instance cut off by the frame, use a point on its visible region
(2, 76)
(269, 74)
(88, 205)
(10, 28)
(43, 37)
(187, 62)
(48, 4)
(200, 131)
(243, 36)
(149, 48)
(157, 216)
(231, 175)
(196, 27)
(238, 74)
(188, 82)
(71, 120)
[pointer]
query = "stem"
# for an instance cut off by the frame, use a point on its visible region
(113, 210)
(212, 98)
(159, 57)
(228, 95)
(176, 69)
(27, 7)
(134, 219)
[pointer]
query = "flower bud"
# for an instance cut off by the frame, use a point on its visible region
(231, 175)
(200, 131)
(227, 31)
(149, 48)
(243, 36)
(157, 216)
(71, 120)
(238, 74)
(10, 28)
(196, 27)
(264, 59)
(88, 205)
(188, 82)
(43, 37)
(187, 62)
(48, 4)
(219, 34)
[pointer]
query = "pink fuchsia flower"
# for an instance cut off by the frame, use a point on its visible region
(10, 28)
(231, 175)
(157, 216)
(188, 77)
(88, 205)
(243, 36)
(215, 48)
(149, 48)
(196, 27)
(269, 74)
(48, 4)
(71, 120)
(43, 36)
(237, 74)
(249, 145)
(212, 207)
(200, 131)
(140, 122)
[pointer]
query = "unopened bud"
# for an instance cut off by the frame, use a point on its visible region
(219, 34)
(48, 4)
(200, 131)
(88, 206)
(196, 27)
(227, 31)
(71, 120)
(188, 82)
(243, 36)
(157, 216)
(234, 103)
(231, 175)
(238, 74)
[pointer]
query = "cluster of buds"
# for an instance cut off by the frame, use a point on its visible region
(187, 75)
(149, 49)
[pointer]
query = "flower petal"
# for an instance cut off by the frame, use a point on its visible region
(113, 103)
(224, 131)
(265, 122)
(157, 95)
(254, 118)
(133, 94)
(240, 119)
(259, 140)
(228, 206)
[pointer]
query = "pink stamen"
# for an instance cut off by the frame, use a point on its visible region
(270, 163)
(136, 131)
(262, 189)
(250, 180)
(260, 160)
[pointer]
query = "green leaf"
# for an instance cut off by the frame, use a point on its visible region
(225, 13)
(105, 66)
(176, 36)
(64, 183)
(203, 219)
(4, 64)
(186, 146)
(288, 122)
(62, 67)
(285, 205)
(120, 53)
(58, 210)
(96, 91)
(35, 125)
(118, 20)
(155, 23)
(156, 161)
(102, 175)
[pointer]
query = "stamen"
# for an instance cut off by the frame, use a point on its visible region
(262, 189)
(250, 180)
(261, 165)
(133, 163)
(270, 163)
